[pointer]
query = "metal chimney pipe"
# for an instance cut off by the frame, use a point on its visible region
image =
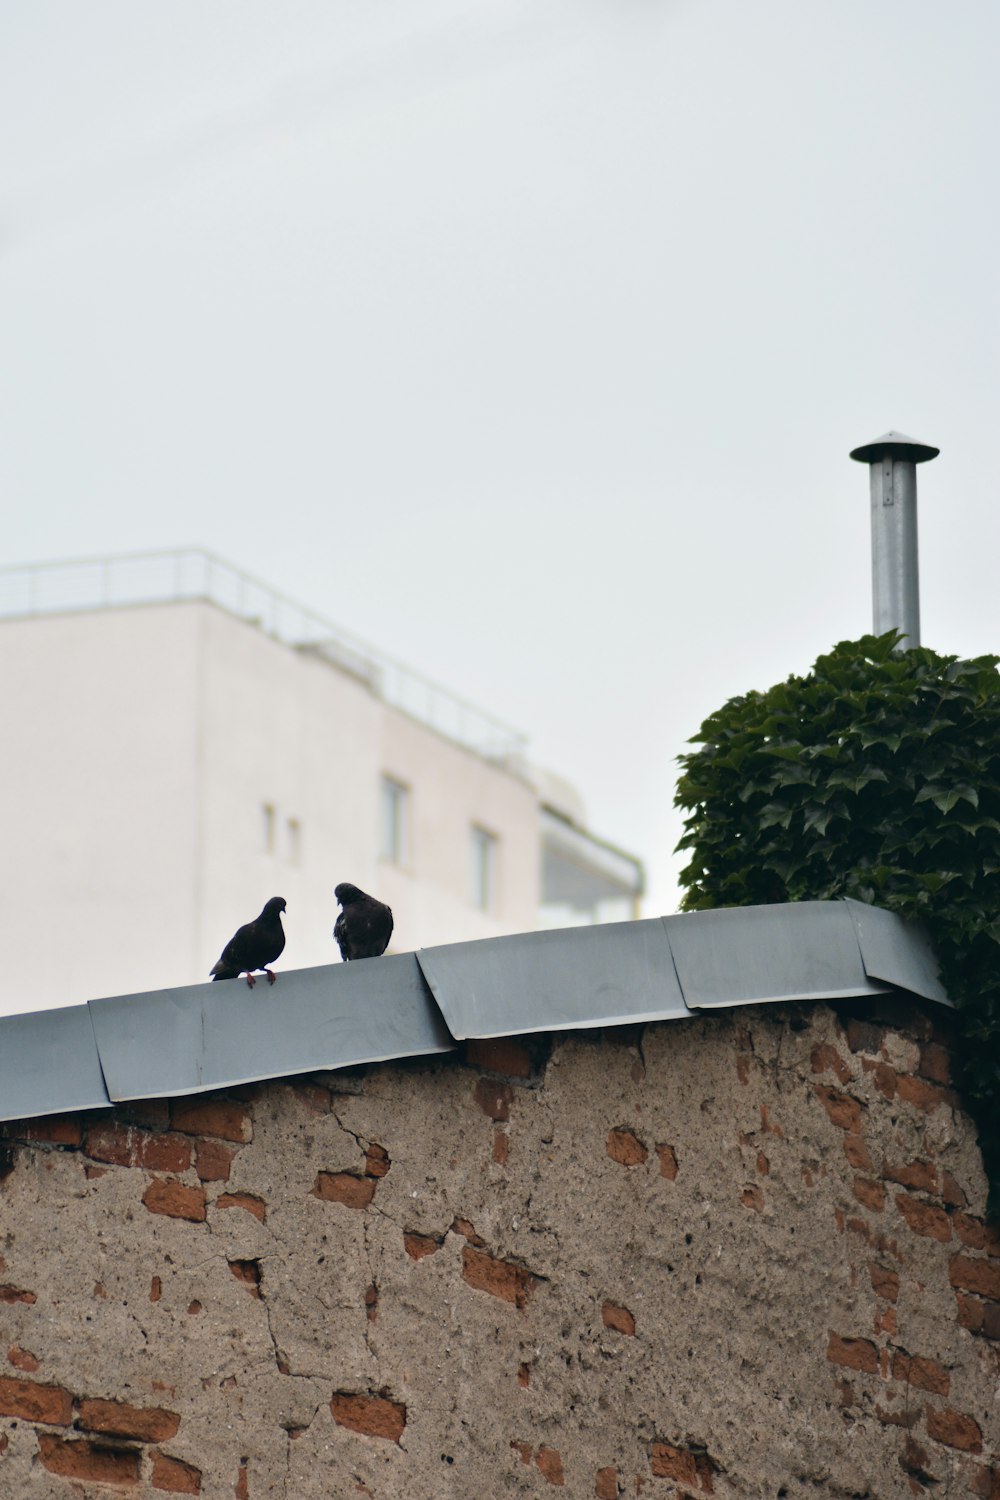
(893, 460)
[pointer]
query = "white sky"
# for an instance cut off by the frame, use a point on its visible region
(526, 338)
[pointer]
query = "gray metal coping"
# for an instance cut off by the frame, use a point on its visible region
(213, 1036)
(670, 967)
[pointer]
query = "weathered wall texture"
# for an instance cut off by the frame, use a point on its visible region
(740, 1256)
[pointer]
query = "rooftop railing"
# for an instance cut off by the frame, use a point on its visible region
(192, 573)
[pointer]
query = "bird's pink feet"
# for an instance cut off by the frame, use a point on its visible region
(251, 981)
(270, 977)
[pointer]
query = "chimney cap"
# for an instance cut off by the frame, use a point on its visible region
(894, 445)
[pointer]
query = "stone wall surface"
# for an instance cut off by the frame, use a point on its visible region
(738, 1256)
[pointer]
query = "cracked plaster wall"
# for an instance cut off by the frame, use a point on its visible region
(742, 1255)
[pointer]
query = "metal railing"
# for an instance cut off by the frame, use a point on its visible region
(191, 573)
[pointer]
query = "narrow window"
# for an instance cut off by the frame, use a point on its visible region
(267, 827)
(484, 868)
(394, 814)
(294, 841)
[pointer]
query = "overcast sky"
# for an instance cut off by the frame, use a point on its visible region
(525, 338)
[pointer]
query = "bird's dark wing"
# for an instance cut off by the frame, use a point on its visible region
(253, 946)
(342, 936)
(234, 959)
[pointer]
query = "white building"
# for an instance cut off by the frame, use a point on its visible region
(180, 743)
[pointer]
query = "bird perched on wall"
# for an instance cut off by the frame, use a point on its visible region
(364, 927)
(254, 945)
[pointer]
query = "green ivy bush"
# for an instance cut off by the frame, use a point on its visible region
(876, 776)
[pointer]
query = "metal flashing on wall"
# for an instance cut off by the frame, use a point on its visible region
(49, 1064)
(897, 951)
(750, 955)
(212, 1036)
(174, 1042)
(555, 981)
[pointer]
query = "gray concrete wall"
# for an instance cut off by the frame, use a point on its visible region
(738, 1256)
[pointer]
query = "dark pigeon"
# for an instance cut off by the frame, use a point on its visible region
(364, 927)
(254, 946)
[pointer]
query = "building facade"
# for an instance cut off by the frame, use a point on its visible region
(181, 743)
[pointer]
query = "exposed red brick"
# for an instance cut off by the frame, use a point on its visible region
(100, 1290)
(52, 1130)
(625, 1148)
(4, 1443)
(668, 1162)
(194, 1308)
(853, 1354)
(952, 1191)
(220, 1117)
(743, 1069)
(500, 1054)
(887, 1322)
(371, 1302)
(213, 1160)
(500, 1278)
(149, 1424)
(165, 1195)
(613, 1316)
(524, 1376)
(419, 1245)
(884, 1281)
(844, 1111)
(23, 1359)
(923, 1095)
(976, 1234)
(916, 1174)
(128, 1146)
(248, 1272)
(377, 1160)
(884, 1075)
(924, 1373)
(606, 1484)
(972, 1275)
(924, 1218)
(524, 1449)
(313, 1096)
(501, 1147)
(857, 1153)
(864, 1036)
(155, 1289)
(493, 1098)
(970, 1312)
(88, 1461)
(241, 1489)
(870, 1193)
(935, 1063)
(467, 1230)
(549, 1463)
(752, 1197)
(372, 1416)
(173, 1475)
(826, 1059)
(907, 1416)
(252, 1204)
(34, 1402)
(344, 1187)
(93, 1173)
(16, 1294)
(982, 1480)
(763, 1165)
(668, 1462)
(954, 1429)
(768, 1125)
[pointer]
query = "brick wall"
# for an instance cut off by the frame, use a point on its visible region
(741, 1255)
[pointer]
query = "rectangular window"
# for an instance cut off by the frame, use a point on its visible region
(267, 827)
(394, 814)
(294, 841)
(484, 868)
